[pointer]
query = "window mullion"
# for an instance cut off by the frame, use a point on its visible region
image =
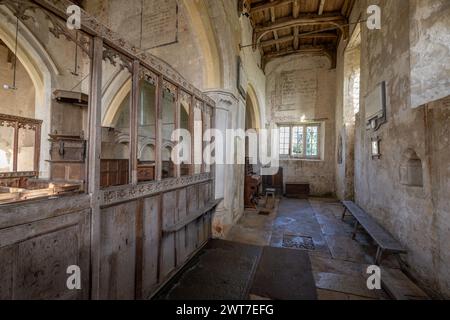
(305, 154)
(319, 142)
(290, 140)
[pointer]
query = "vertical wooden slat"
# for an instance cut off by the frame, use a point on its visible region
(159, 129)
(175, 235)
(16, 146)
(177, 126)
(204, 118)
(95, 136)
(151, 244)
(139, 249)
(133, 123)
(181, 234)
(160, 236)
(213, 167)
(37, 148)
(191, 130)
(167, 257)
(89, 120)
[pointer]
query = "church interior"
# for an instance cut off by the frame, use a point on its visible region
(97, 202)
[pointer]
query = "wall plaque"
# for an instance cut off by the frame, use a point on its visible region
(297, 90)
(159, 23)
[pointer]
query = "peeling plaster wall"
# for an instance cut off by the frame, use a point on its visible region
(430, 50)
(345, 119)
(124, 17)
(15, 102)
(416, 216)
(318, 103)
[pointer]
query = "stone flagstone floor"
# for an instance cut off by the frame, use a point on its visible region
(339, 263)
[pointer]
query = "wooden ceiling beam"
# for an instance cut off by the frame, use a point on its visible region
(309, 49)
(269, 4)
(269, 43)
(296, 42)
(345, 7)
(273, 19)
(329, 52)
(296, 29)
(276, 40)
(302, 20)
(296, 9)
(321, 7)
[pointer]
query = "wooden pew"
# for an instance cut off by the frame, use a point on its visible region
(385, 242)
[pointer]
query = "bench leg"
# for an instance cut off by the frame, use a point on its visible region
(356, 230)
(379, 256)
(343, 214)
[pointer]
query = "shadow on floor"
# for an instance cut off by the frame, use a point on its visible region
(227, 270)
(302, 250)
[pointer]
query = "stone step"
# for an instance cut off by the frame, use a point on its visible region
(345, 284)
(399, 286)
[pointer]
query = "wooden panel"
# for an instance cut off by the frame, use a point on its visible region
(118, 247)
(167, 260)
(35, 257)
(181, 239)
(48, 256)
(200, 231)
(192, 229)
(192, 196)
(151, 224)
(27, 212)
(47, 242)
(114, 173)
(6, 272)
(69, 171)
(146, 172)
(297, 190)
(274, 182)
(202, 200)
(202, 195)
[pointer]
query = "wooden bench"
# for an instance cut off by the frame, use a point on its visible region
(385, 242)
(193, 216)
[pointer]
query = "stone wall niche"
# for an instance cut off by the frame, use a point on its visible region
(411, 170)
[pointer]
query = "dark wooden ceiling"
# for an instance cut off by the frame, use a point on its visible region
(285, 27)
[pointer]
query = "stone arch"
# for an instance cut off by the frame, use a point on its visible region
(254, 106)
(113, 96)
(41, 69)
(147, 145)
(204, 31)
(411, 169)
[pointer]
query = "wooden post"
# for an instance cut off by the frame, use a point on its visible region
(37, 148)
(16, 146)
(356, 230)
(159, 128)
(213, 167)
(94, 159)
(177, 126)
(191, 130)
(135, 92)
(343, 214)
(378, 256)
(139, 249)
(204, 118)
